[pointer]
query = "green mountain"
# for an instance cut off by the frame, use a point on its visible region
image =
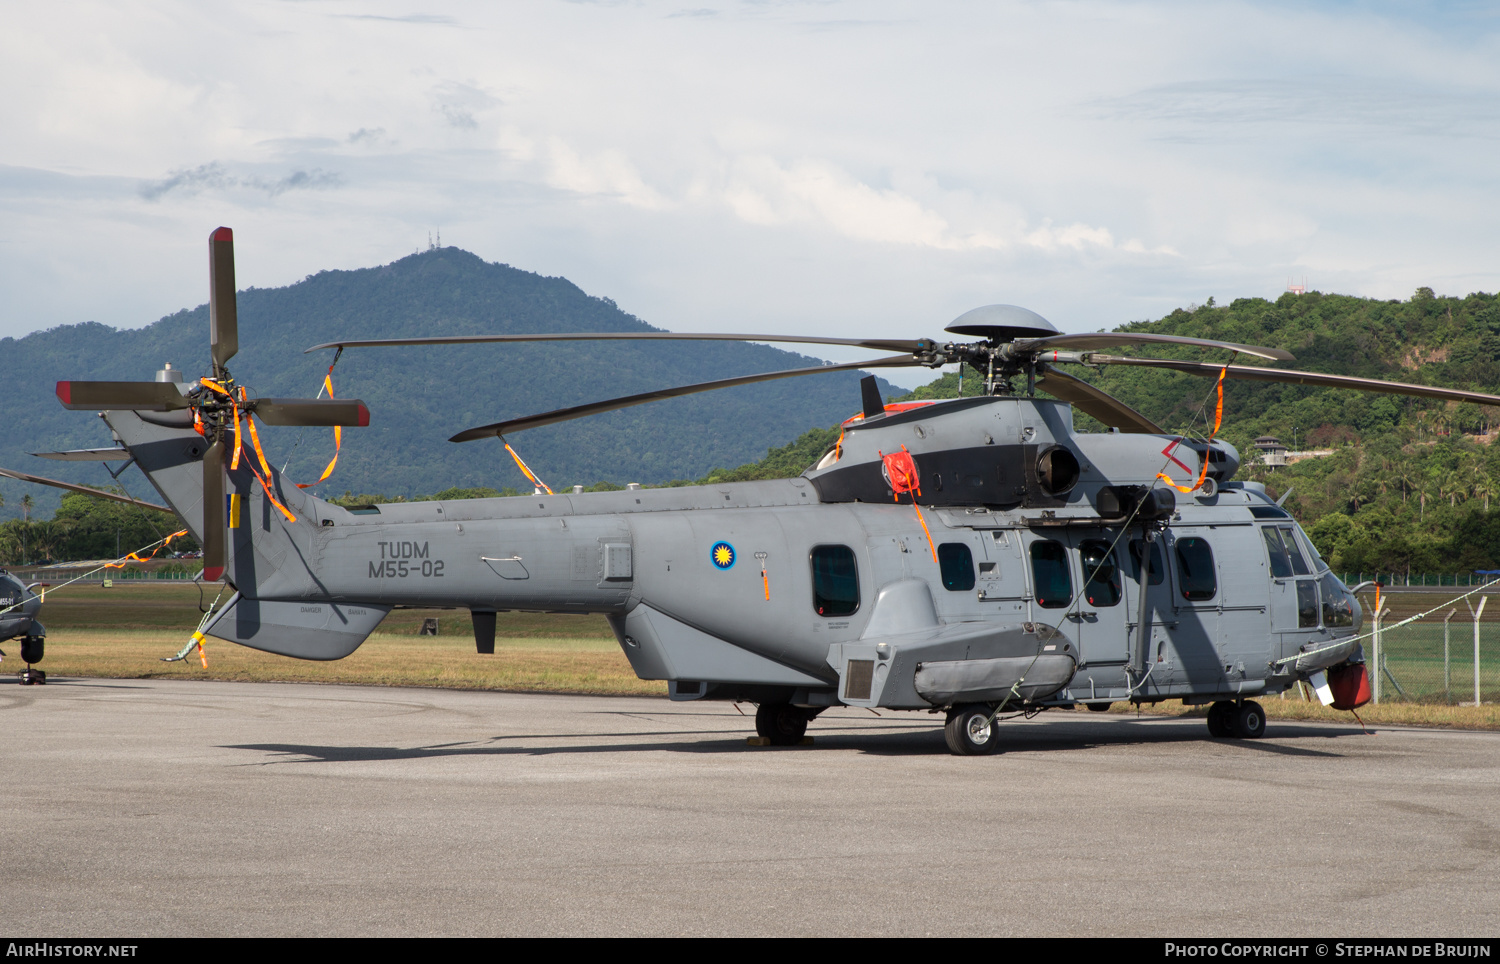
(420, 396)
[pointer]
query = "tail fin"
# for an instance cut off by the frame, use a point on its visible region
(261, 559)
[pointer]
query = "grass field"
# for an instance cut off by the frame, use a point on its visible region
(124, 631)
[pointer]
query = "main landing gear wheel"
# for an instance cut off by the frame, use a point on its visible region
(970, 731)
(31, 676)
(781, 723)
(1099, 707)
(1221, 719)
(1249, 720)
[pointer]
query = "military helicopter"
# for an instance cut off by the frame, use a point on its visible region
(970, 557)
(22, 605)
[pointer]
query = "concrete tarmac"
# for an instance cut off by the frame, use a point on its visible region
(155, 808)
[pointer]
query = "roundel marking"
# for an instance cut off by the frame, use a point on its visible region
(722, 555)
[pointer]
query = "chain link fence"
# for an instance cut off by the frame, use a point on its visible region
(1449, 656)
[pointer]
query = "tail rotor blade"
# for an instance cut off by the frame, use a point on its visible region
(134, 396)
(223, 317)
(215, 535)
(312, 411)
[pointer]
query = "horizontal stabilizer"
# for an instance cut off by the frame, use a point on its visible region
(316, 629)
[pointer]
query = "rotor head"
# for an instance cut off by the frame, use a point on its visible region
(1002, 323)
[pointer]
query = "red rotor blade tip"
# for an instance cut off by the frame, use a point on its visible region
(364, 416)
(221, 234)
(214, 574)
(65, 392)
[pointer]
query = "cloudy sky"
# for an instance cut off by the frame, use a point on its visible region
(833, 167)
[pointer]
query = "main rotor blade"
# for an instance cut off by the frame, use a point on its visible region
(215, 535)
(874, 344)
(134, 396)
(115, 454)
(1245, 372)
(223, 315)
(96, 493)
(1115, 339)
(311, 411)
(609, 405)
(1091, 401)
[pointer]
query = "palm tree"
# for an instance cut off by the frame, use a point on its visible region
(26, 503)
(1407, 476)
(1484, 486)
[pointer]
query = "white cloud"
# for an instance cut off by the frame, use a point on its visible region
(841, 166)
(607, 173)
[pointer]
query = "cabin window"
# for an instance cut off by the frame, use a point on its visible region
(1281, 563)
(1195, 569)
(835, 581)
(1299, 564)
(1101, 577)
(1158, 567)
(957, 565)
(1307, 604)
(1049, 574)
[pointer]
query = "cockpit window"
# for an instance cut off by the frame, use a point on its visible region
(1338, 605)
(1281, 563)
(1299, 564)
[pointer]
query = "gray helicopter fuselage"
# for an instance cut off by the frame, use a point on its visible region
(830, 588)
(20, 620)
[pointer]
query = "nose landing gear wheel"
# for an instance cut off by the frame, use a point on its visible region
(32, 649)
(781, 723)
(970, 732)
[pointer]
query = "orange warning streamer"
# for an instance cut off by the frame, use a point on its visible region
(264, 480)
(526, 471)
(132, 557)
(1218, 421)
(338, 436)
